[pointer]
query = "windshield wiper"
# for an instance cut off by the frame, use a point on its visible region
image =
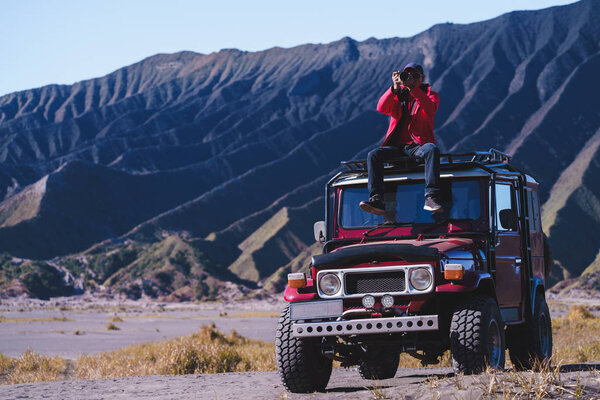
(392, 225)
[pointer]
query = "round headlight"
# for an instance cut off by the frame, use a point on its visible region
(420, 278)
(329, 284)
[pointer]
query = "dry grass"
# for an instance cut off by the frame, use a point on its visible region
(116, 319)
(6, 364)
(376, 390)
(543, 382)
(112, 327)
(408, 361)
(576, 337)
(32, 367)
(207, 351)
(576, 340)
(50, 319)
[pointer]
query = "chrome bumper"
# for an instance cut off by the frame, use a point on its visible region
(365, 326)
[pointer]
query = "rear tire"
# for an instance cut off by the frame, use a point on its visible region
(531, 343)
(379, 363)
(302, 368)
(477, 336)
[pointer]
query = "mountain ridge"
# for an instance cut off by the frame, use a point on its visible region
(219, 143)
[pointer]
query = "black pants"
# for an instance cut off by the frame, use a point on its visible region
(428, 153)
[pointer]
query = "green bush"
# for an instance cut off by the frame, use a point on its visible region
(44, 281)
(181, 262)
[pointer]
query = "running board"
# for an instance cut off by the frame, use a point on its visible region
(365, 326)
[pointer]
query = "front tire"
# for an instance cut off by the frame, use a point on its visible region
(302, 368)
(531, 343)
(477, 336)
(379, 363)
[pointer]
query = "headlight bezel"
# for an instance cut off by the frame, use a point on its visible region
(336, 279)
(419, 286)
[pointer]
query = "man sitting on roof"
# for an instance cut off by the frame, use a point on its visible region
(412, 106)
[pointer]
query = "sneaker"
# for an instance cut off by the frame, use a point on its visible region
(431, 204)
(373, 206)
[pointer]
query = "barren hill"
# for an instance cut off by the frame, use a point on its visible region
(231, 150)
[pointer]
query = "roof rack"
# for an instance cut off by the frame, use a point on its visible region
(493, 156)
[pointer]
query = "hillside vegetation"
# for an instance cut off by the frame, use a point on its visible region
(231, 150)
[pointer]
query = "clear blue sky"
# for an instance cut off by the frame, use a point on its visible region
(65, 41)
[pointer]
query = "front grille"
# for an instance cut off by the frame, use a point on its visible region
(379, 282)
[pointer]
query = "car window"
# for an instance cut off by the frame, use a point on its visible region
(530, 212)
(504, 200)
(536, 211)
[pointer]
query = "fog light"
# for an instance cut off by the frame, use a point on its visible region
(368, 301)
(297, 280)
(387, 300)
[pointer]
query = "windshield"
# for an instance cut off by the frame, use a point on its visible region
(461, 200)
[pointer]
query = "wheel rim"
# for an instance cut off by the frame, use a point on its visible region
(494, 344)
(544, 335)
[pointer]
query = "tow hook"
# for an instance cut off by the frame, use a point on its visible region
(328, 349)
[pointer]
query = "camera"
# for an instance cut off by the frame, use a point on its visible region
(405, 75)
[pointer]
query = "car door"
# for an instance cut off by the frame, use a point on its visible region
(508, 254)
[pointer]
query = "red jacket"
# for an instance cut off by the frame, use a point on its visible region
(419, 125)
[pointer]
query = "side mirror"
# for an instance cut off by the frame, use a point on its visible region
(508, 219)
(319, 230)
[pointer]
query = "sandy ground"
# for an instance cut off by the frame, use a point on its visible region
(425, 383)
(85, 330)
(146, 321)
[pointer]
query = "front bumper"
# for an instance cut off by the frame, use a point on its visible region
(365, 326)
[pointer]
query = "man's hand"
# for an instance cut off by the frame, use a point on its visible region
(397, 81)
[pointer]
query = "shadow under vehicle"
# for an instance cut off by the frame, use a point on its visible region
(470, 279)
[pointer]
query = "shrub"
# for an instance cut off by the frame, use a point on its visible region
(181, 262)
(6, 364)
(207, 351)
(112, 327)
(32, 367)
(579, 313)
(44, 281)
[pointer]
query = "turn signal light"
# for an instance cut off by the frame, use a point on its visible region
(454, 272)
(297, 280)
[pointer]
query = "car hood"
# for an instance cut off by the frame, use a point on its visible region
(407, 250)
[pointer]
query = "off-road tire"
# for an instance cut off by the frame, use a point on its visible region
(531, 343)
(301, 366)
(477, 336)
(379, 363)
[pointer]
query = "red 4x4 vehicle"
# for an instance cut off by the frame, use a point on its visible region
(470, 279)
